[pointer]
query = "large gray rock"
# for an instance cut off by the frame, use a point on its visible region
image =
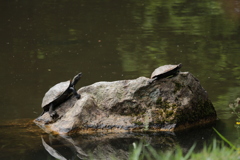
(168, 104)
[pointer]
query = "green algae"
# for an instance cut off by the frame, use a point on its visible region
(178, 86)
(164, 112)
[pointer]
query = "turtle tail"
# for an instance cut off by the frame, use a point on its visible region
(42, 113)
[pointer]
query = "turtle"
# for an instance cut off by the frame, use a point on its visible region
(58, 94)
(165, 71)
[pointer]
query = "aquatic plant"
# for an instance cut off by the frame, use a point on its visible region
(225, 140)
(215, 151)
(141, 151)
(235, 107)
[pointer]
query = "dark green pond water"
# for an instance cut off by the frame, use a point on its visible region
(48, 41)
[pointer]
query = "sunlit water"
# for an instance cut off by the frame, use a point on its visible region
(45, 42)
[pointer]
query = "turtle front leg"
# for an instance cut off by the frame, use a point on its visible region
(78, 96)
(152, 80)
(51, 111)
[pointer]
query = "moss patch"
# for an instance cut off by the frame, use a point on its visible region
(161, 104)
(178, 86)
(164, 112)
(193, 114)
(137, 123)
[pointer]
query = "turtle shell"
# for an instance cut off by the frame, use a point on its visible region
(166, 70)
(55, 92)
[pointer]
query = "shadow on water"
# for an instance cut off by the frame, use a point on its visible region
(24, 140)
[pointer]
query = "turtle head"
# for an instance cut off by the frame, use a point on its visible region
(76, 78)
(180, 65)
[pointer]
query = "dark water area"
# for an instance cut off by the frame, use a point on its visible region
(46, 42)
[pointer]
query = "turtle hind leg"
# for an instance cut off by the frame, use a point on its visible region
(52, 112)
(152, 80)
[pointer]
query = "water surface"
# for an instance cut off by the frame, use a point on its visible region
(45, 42)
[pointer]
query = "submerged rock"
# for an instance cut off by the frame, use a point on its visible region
(168, 104)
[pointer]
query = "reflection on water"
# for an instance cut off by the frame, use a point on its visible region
(22, 139)
(46, 42)
(69, 143)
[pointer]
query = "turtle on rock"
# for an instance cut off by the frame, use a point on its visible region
(59, 94)
(165, 71)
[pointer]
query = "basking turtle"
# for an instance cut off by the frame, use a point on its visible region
(58, 94)
(165, 71)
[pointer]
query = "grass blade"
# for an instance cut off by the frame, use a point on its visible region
(223, 138)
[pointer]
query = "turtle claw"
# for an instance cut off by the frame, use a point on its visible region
(152, 80)
(78, 96)
(53, 114)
